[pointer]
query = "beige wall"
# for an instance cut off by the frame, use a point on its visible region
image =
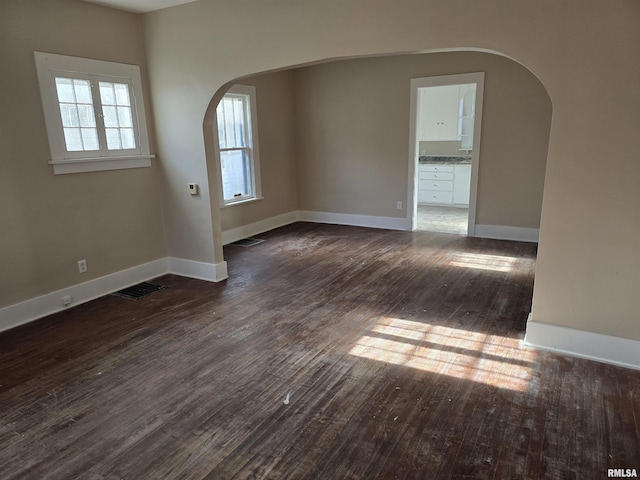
(353, 135)
(274, 98)
(111, 219)
(585, 52)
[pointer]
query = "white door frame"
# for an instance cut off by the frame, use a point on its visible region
(412, 190)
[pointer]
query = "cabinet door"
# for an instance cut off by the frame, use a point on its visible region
(466, 133)
(438, 113)
(461, 184)
(467, 115)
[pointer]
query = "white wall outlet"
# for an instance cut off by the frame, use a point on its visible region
(399, 205)
(82, 266)
(67, 300)
(193, 188)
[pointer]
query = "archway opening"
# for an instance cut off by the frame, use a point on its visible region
(334, 143)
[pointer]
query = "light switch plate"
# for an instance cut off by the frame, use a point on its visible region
(193, 188)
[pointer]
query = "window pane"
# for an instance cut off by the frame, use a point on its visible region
(232, 121)
(76, 110)
(73, 140)
(107, 96)
(83, 91)
(64, 88)
(110, 116)
(87, 118)
(122, 93)
(113, 139)
(236, 174)
(124, 117)
(90, 138)
(69, 114)
(222, 138)
(240, 121)
(127, 137)
(118, 116)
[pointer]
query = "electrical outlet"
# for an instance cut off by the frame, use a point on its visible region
(399, 205)
(82, 266)
(67, 300)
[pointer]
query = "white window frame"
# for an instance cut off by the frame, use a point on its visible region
(249, 91)
(48, 66)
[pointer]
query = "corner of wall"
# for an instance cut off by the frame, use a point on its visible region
(598, 347)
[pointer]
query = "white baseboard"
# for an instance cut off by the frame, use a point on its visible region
(38, 307)
(212, 272)
(34, 308)
(388, 223)
(499, 232)
(235, 234)
(579, 343)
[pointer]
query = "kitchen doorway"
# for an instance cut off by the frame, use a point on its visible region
(446, 114)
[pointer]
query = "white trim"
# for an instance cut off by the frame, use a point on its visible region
(48, 65)
(242, 202)
(97, 165)
(619, 351)
(412, 187)
(212, 272)
(235, 234)
(252, 134)
(500, 232)
(388, 223)
(38, 307)
(35, 308)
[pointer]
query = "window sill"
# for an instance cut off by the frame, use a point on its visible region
(96, 164)
(241, 202)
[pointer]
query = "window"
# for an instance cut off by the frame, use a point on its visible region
(238, 146)
(94, 113)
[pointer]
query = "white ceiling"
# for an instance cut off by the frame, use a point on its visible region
(140, 6)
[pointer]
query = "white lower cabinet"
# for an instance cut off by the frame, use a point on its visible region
(444, 184)
(462, 184)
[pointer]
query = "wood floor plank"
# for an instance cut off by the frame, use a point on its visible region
(399, 354)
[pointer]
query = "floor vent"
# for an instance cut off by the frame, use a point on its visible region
(138, 291)
(247, 242)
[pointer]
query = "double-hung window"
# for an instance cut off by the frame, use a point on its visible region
(94, 113)
(238, 146)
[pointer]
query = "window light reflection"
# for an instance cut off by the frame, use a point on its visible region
(458, 353)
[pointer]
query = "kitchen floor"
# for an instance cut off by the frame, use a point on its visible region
(435, 218)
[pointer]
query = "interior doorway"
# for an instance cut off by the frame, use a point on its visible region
(446, 114)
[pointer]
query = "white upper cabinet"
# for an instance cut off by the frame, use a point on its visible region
(446, 113)
(466, 109)
(438, 113)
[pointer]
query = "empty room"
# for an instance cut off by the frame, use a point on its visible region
(214, 260)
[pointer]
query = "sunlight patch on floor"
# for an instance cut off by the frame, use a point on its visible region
(482, 261)
(464, 354)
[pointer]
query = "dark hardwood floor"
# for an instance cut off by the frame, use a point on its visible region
(330, 353)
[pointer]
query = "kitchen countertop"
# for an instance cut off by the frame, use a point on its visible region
(444, 160)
